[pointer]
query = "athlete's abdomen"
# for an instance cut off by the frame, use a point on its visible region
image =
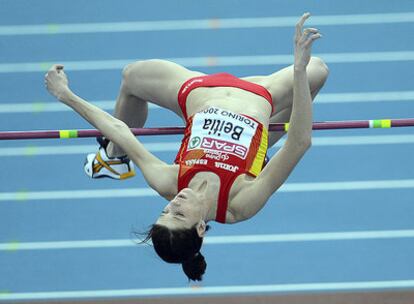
(233, 99)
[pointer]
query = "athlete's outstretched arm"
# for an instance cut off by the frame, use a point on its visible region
(253, 197)
(116, 131)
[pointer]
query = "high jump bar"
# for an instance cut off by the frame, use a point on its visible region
(326, 125)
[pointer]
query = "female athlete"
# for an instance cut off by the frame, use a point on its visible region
(218, 173)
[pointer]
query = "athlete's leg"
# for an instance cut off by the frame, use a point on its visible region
(284, 116)
(155, 81)
(280, 85)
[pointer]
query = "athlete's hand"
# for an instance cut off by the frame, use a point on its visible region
(56, 81)
(303, 42)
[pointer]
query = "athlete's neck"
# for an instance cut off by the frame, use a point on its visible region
(206, 188)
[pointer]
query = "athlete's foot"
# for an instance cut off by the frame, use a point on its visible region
(101, 165)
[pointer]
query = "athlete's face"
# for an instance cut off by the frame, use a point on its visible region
(183, 212)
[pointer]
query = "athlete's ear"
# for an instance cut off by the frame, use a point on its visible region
(201, 228)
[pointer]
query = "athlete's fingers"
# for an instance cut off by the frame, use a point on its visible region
(59, 67)
(299, 25)
(56, 68)
(307, 33)
(309, 30)
(311, 39)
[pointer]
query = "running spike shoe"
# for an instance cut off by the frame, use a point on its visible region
(101, 165)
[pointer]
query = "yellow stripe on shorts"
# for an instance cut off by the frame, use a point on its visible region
(257, 164)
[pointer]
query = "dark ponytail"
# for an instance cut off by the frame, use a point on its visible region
(179, 246)
(195, 267)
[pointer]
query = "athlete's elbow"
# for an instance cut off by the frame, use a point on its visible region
(300, 143)
(119, 125)
(306, 143)
(304, 139)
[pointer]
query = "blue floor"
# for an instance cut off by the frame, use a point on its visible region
(25, 220)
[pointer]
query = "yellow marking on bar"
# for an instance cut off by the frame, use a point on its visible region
(286, 126)
(64, 134)
(386, 123)
(68, 133)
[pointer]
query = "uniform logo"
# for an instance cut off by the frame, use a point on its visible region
(195, 142)
(192, 162)
(227, 167)
(217, 155)
(188, 85)
(222, 146)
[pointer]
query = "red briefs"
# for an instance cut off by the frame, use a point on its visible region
(221, 141)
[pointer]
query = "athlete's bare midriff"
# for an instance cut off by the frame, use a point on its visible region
(232, 99)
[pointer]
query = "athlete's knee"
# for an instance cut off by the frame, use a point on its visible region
(133, 69)
(319, 67)
(134, 73)
(143, 69)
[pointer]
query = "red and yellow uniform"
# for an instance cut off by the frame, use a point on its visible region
(221, 141)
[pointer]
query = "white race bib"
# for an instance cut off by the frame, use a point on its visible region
(221, 131)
